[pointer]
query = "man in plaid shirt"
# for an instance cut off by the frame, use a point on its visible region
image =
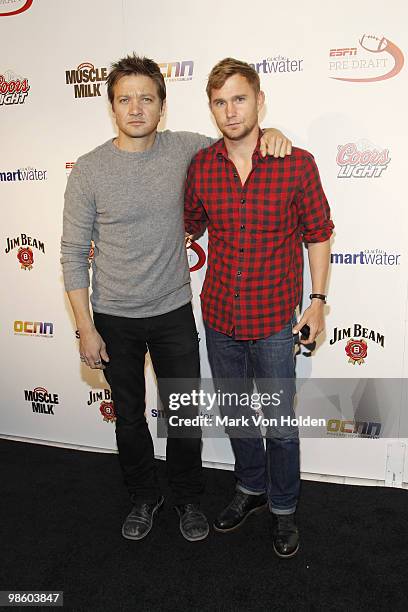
(258, 211)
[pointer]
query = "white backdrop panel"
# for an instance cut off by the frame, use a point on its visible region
(52, 128)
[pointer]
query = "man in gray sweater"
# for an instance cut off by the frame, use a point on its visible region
(127, 196)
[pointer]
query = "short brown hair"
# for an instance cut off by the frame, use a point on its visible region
(227, 68)
(134, 64)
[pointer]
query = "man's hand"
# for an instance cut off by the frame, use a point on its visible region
(92, 349)
(273, 142)
(314, 317)
(189, 239)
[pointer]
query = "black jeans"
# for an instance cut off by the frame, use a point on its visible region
(172, 341)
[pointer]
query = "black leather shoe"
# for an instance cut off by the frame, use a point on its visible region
(139, 521)
(193, 523)
(285, 535)
(238, 510)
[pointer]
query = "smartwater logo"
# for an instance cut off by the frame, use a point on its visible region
(278, 65)
(370, 257)
(23, 174)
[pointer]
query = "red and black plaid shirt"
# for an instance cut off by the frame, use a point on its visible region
(255, 231)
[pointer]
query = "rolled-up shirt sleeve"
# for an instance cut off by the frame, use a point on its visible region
(313, 207)
(78, 223)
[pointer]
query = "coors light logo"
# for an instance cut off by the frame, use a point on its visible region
(13, 88)
(361, 160)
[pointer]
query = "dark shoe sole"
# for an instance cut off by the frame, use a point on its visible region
(292, 554)
(257, 510)
(156, 509)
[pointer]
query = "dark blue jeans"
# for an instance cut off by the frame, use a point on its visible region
(235, 364)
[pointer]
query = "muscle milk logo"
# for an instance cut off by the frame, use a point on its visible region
(103, 397)
(368, 60)
(40, 329)
(14, 7)
(356, 337)
(25, 253)
(196, 257)
(278, 65)
(86, 80)
(361, 160)
(42, 402)
(177, 71)
(368, 257)
(13, 88)
(23, 174)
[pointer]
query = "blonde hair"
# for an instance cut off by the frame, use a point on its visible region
(227, 68)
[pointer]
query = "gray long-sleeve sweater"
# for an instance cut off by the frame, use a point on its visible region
(131, 206)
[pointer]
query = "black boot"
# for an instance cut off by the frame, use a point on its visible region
(139, 521)
(285, 535)
(238, 510)
(193, 523)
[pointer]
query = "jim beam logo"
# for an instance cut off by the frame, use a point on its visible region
(103, 397)
(357, 346)
(25, 254)
(86, 80)
(42, 402)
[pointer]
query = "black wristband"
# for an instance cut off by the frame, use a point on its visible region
(319, 296)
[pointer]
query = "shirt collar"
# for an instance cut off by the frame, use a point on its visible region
(220, 149)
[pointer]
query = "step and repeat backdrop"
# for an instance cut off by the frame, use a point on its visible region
(335, 81)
